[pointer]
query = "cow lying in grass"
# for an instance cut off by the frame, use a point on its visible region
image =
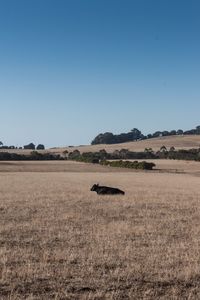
(106, 190)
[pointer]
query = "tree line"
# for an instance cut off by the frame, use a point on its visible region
(30, 146)
(135, 135)
(34, 155)
(125, 154)
(102, 156)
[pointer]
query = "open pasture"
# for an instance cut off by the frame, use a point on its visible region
(58, 240)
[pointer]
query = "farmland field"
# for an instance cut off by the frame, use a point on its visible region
(58, 240)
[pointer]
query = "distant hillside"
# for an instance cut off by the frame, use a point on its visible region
(179, 142)
(136, 135)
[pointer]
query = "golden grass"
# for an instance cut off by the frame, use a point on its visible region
(176, 166)
(162, 165)
(52, 166)
(60, 241)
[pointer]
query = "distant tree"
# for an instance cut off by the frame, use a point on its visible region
(30, 146)
(65, 153)
(190, 132)
(36, 155)
(179, 132)
(136, 133)
(104, 138)
(157, 134)
(198, 130)
(103, 151)
(74, 155)
(148, 150)
(149, 136)
(1, 144)
(116, 154)
(163, 149)
(40, 147)
(173, 132)
(123, 153)
(165, 133)
(172, 149)
(103, 154)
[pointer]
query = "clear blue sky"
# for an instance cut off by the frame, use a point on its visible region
(70, 69)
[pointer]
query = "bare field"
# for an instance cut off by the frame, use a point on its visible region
(60, 241)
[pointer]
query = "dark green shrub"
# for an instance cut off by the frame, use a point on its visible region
(128, 164)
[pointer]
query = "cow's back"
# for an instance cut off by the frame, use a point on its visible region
(109, 191)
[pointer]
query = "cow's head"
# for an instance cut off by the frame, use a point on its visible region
(94, 187)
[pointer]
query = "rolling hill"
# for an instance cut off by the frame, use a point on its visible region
(179, 142)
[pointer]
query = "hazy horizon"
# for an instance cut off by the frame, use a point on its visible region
(73, 69)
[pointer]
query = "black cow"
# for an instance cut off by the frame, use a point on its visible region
(106, 190)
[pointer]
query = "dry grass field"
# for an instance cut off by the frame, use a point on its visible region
(59, 241)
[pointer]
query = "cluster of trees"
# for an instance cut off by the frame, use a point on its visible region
(110, 138)
(143, 165)
(33, 156)
(191, 154)
(96, 157)
(102, 157)
(30, 146)
(135, 135)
